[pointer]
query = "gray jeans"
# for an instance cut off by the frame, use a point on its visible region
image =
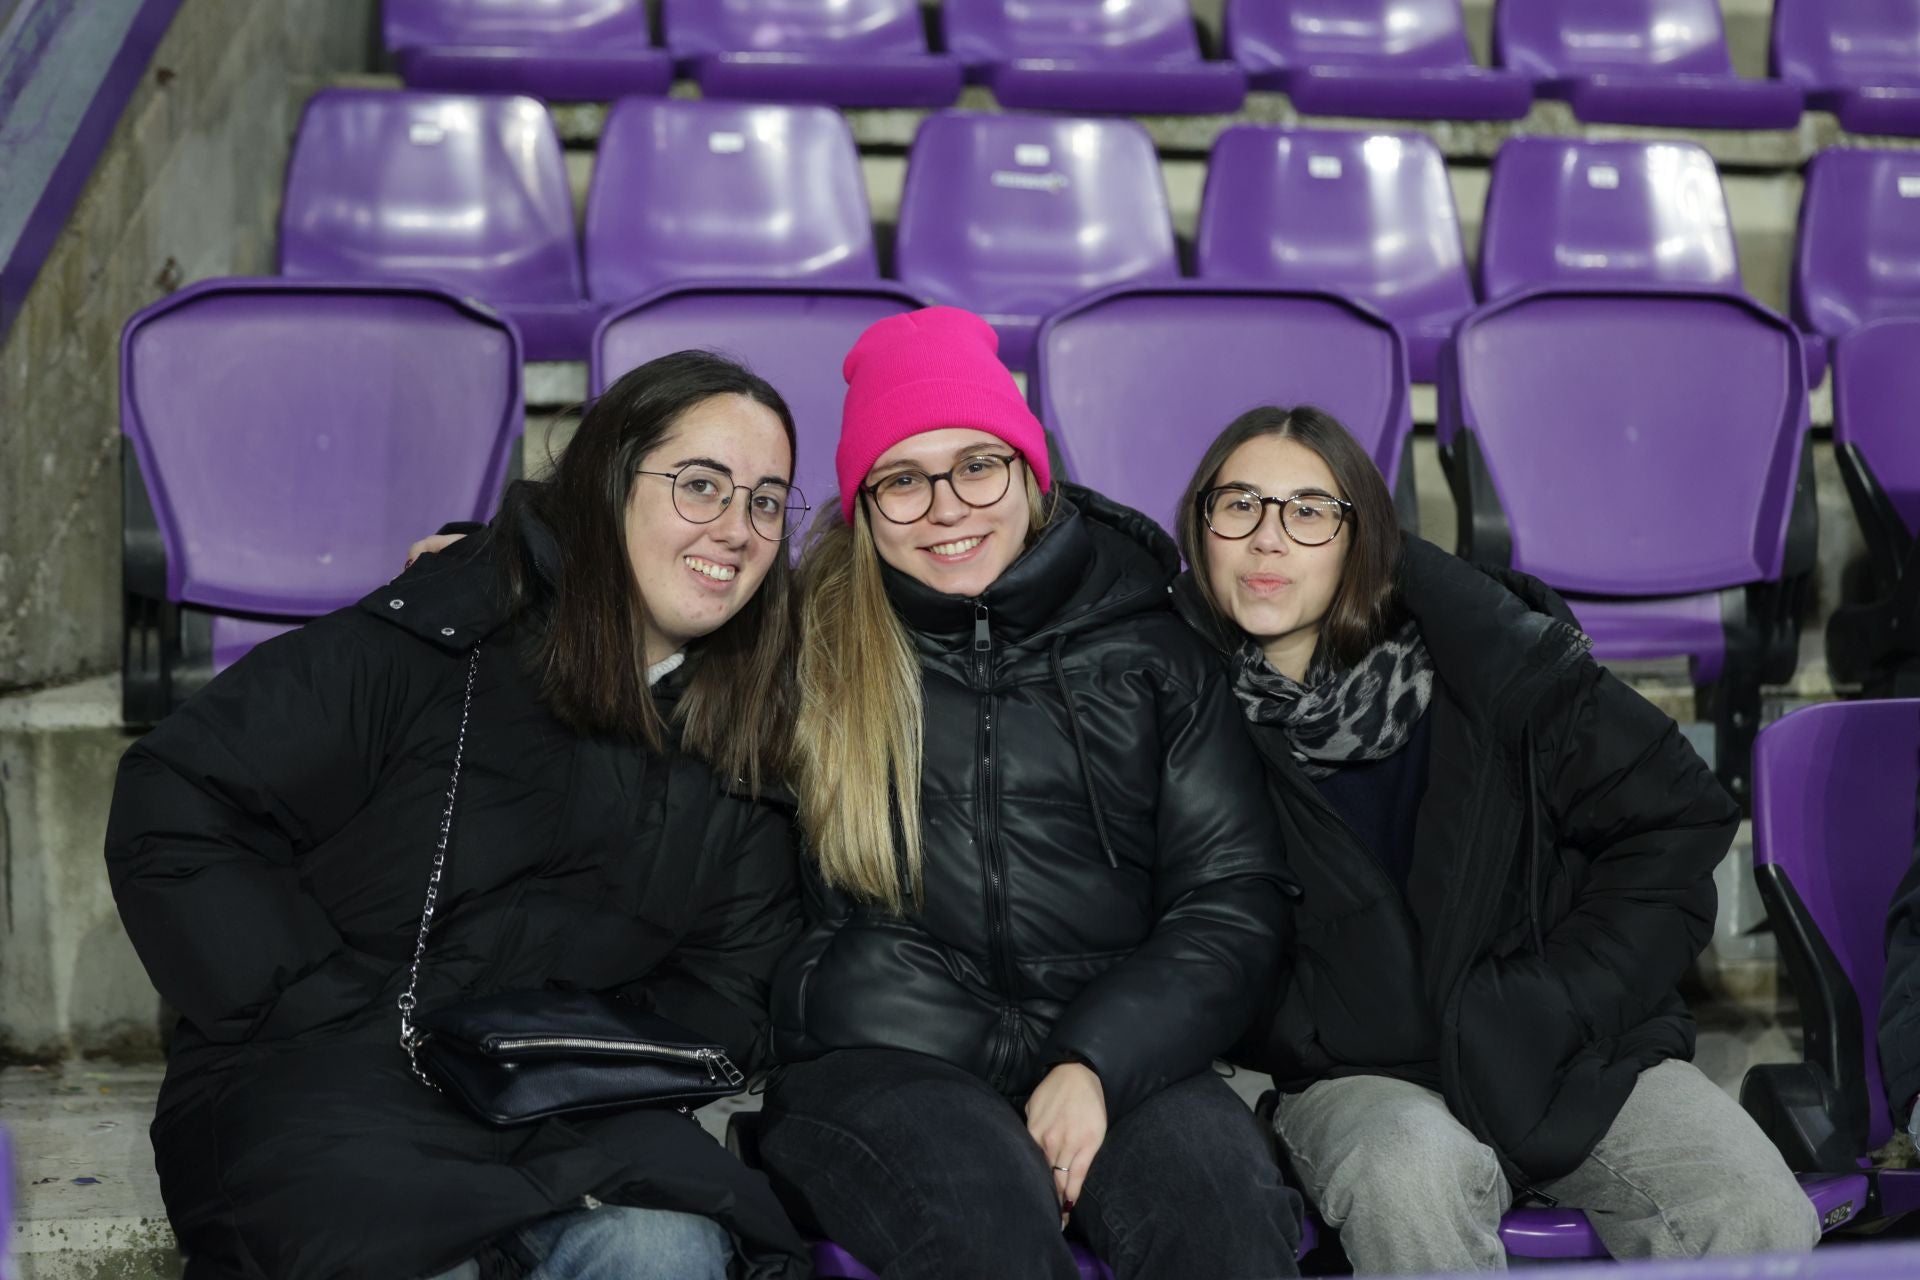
(1683, 1172)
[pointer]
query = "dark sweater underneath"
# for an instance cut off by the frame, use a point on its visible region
(1380, 800)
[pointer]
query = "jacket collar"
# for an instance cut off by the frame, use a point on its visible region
(1095, 560)
(453, 599)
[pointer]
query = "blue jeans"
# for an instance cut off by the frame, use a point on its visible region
(615, 1242)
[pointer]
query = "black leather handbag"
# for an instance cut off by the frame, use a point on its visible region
(519, 1056)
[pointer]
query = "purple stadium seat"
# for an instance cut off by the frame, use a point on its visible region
(1128, 429)
(468, 193)
(848, 53)
(1876, 382)
(1391, 58)
(1012, 216)
(1860, 61)
(571, 50)
(1565, 211)
(282, 439)
(1833, 832)
(794, 336)
(1660, 493)
(1367, 215)
(705, 190)
(1138, 56)
(1648, 62)
(1857, 255)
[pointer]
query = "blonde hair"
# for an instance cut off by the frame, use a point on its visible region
(858, 759)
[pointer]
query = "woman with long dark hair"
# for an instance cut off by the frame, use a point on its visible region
(1045, 889)
(606, 674)
(1506, 859)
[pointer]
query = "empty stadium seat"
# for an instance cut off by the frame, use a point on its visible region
(1859, 61)
(1647, 62)
(1876, 383)
(590, 50)
(1010, 216)
(466, 192)
(1857, 253)
(1391, 58)
(1367, 215)
(1833, 833)
(283, 438)
(1140, 56)
(1647, 453)
(1564, 211)
(688, 190)
(1135, 382)
(794, 336)
(850, 53)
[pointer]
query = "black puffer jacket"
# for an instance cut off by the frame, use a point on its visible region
(1103, 879)
(269, 847)
(1561, 884)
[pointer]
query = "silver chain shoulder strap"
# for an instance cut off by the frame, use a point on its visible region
(410, 1036)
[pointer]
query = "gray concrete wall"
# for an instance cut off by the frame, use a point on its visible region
(189, 188)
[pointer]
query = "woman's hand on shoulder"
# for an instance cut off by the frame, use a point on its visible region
(1067, 1116)
(428, 546)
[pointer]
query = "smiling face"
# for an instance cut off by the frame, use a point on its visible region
(693, 577)
(955, 548)
(1278, 591)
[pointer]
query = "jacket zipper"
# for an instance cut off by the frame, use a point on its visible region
(1456, 1096)
(997, 907)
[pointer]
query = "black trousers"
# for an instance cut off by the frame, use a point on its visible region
(922, 1171)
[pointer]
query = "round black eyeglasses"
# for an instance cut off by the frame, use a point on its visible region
(979, 481)
(702, 494)
(1309, 517)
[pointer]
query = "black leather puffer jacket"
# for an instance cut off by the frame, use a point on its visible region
(1103, 881)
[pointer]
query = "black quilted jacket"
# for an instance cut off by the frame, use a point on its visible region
(1103, 877)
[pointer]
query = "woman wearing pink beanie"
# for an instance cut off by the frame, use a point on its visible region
(1044, 887)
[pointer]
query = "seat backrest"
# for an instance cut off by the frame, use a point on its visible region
(1857, 254)
(866, 28)
(467, 192)
(1365, 214)
(794, 337)
(1131, 32)
(1273, 34)
(1547, 39)
(1565, 211)
(1876, 384)
(689, 190)
(1640, 443)
(518, 24)
(1136, 382)
(292, 434)
(1016, 214)
(1833, 44)
(1833, 808)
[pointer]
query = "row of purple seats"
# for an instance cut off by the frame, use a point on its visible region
(1659, 62)
(1011, 216)
(1833, 833)
(1116, 55)
(471, 193)
(1680, 429)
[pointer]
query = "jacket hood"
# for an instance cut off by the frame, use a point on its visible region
(451, 599)
(1097, 561)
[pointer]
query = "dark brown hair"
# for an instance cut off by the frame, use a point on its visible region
(1365, 605)
(587, 622)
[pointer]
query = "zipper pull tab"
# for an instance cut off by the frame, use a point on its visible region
(982, 638)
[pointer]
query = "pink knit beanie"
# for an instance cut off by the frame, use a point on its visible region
(924, 371)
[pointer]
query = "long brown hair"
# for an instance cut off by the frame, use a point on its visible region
(586, 650)
(1365, 605)
(857, 767)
